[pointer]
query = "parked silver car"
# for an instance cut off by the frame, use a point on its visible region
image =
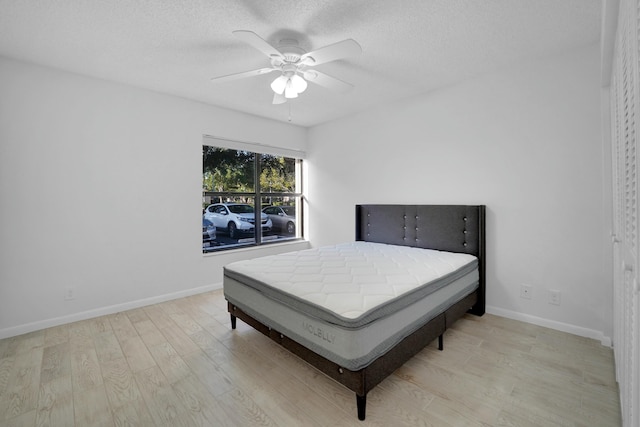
(208, 234)
(283, 218)
(235, 218)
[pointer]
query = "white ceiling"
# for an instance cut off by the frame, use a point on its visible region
(176, 46)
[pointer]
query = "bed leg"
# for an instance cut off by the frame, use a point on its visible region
(361, 402)
(440, 342)
(233, 321)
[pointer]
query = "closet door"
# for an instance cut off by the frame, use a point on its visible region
(625, 127)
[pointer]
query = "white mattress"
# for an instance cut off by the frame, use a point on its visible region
(350, 302)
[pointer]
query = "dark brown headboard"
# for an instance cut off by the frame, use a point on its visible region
(452, 228)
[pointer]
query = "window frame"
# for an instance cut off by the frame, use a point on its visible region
(258, 151)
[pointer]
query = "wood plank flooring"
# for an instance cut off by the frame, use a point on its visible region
(179, 364)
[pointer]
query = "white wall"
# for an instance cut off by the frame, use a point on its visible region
(100, 190)
(527, 143)
(100, 187)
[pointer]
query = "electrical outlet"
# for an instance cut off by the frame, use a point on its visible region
(525, 291)
(68, 293)
(554, 297)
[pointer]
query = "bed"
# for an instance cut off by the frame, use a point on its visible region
(357, 311)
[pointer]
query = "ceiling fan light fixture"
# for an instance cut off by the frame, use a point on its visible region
(289, 90)
(298, 83)
(279, 84)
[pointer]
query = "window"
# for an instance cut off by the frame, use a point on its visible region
(249, 198)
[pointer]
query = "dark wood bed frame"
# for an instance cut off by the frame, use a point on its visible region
(452, 228)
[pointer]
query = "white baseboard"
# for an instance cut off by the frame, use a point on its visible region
(102, 311)
(552, 324)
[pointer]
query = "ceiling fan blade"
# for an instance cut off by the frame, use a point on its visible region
(258, 42)
(279, 99)
(236, 76)
(327, 81)
(332, 52)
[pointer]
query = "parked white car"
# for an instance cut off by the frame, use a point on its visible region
(235, 218)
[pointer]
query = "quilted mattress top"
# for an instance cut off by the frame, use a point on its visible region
(352, 284)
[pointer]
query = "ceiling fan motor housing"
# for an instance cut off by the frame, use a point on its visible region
(290, 50)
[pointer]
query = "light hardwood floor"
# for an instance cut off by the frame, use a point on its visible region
(179, 364)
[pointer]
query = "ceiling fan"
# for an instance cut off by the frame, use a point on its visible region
(294, 65)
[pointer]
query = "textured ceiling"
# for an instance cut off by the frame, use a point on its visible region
(409, 46)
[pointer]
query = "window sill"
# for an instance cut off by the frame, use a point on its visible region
(296, 244)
